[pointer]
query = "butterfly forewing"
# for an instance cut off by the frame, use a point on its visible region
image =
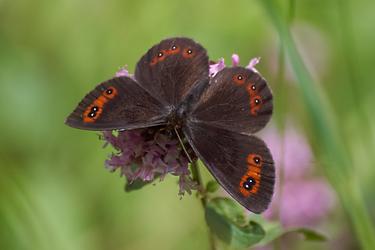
(119, 103)
(242, 164)
(170, 69)
(237, 99)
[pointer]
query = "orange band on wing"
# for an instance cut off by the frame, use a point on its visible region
(250, 181)
(255, 99)
(93, 111)
(164, 53)
(173, 50)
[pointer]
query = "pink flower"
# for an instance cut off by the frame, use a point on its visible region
(301, 199)
(216, 67)
(147, 154)
(252, 64)
(235, 60)
(123, 72)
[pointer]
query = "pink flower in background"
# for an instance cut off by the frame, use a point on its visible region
(301, 199)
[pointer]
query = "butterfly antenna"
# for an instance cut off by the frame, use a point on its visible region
(182, 144)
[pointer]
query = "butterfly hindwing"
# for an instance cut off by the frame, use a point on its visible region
(170, 69)
(119, 103)
(237, 99)
(242, 164)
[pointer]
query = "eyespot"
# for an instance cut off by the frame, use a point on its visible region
(162, 55)
(110, 92)
(173, 50)
(254, 159)
(239, 79)
(249, 183)
(188, 53)
(255, 104)
(94, 109)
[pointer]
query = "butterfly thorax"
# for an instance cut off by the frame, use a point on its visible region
(179, 115)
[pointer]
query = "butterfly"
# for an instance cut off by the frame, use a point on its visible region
(218, 115)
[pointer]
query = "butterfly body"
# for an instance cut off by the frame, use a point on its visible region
(217, 114)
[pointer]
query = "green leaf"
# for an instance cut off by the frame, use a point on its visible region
(227, 221)
(135, 185)
(273, 231)
(276, 232)
(309, 234)
(212, 186)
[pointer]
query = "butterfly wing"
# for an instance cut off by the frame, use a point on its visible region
(119, 103)
(237, 99)
(170, 69)
(236, 103)
(242, 164)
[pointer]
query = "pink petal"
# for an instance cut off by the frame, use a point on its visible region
(215, 68)
(252, 64)
(235, 60)
(122, 72)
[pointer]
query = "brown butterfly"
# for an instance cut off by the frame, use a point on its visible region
(217, 115)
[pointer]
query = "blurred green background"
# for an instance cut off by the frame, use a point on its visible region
(54, 190)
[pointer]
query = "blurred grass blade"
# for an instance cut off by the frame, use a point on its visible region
(337, 165)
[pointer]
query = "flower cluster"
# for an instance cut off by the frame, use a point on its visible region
(149, 153)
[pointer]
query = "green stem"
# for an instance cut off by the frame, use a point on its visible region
(281, 90)
(349, 57)
(201, 190)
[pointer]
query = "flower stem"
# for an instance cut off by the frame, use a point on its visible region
(202, 193)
